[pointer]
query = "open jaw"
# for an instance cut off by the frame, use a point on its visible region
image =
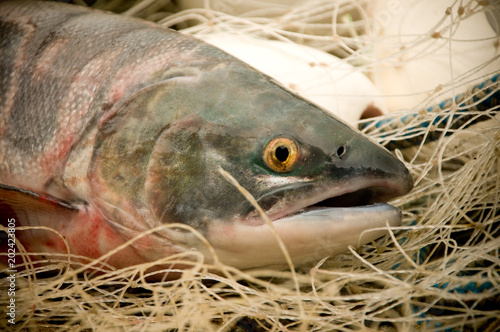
(322, 225)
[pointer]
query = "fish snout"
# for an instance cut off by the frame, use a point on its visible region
(394, 177)
(371, 174)
(400, 179)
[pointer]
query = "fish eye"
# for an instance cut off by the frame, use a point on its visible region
(281, 154)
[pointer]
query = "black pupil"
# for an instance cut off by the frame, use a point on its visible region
(282, 153)
(340, 151)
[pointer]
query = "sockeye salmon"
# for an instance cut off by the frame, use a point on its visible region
(111, 126)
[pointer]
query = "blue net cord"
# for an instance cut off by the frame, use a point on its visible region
(479, 103)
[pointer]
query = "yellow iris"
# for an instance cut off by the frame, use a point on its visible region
(281, 154)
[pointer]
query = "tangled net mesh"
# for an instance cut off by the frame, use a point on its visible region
(439, 271)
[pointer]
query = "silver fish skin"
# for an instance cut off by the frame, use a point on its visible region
(111, 126)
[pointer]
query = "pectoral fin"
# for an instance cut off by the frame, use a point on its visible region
(22, 204)
(27, 208)
(57, 226)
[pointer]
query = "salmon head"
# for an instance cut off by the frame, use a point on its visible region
(157, 160)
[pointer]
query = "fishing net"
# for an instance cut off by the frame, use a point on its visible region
(438, 271)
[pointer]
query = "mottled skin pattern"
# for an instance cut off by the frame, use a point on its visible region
(66, 82)
(127, 125)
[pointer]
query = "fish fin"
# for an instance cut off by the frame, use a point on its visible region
(18, 203)
(59, 227)
(20, 207)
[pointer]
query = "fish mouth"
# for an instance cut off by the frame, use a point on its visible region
(354, 194)
(325, 223)
(361, 197)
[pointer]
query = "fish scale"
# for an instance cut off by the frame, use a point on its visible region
(102, 62)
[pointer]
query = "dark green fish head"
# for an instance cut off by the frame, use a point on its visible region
(158, 160)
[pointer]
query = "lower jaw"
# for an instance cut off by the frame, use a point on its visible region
(308, 236)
